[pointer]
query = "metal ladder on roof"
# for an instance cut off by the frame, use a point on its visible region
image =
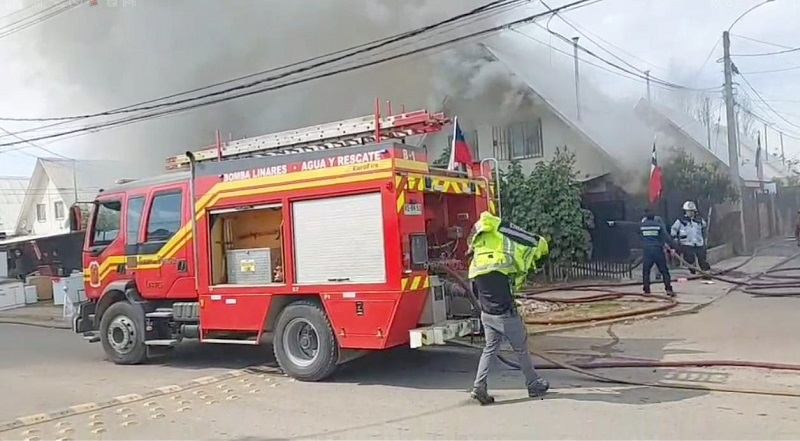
(345, 133)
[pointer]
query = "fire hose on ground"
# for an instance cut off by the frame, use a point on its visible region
(607, 293)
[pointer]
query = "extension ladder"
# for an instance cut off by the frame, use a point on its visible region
(349, 132)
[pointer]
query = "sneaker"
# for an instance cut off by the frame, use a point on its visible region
(538, 388)
(671, 293)
(646, 291)
(481, 396)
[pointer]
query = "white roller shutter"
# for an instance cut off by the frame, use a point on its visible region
(339, 239)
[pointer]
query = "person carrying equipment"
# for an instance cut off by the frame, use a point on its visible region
(689, 231)
(501, 255)
(654, 238)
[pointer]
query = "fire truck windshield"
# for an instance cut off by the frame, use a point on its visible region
(106, 223)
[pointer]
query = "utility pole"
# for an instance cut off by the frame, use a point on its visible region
(647, 75)
(577, 78)
(783, 157)
(766, 144)
(707, 116)
(733, 147)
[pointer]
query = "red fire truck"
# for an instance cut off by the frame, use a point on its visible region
(323, 237)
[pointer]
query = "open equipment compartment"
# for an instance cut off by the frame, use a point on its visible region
(247, 245)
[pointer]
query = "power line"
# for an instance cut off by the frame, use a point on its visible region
(60, 8)
(761, 98)
(762, 41)
(316, 63)
(622, 73)
(570, 6)
(757, 72)
(636, 73)
(764, 54)
(584, 34)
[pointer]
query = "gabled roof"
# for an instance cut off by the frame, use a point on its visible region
(12, 195)
(71, 178)
(610, 125)
(695, 133)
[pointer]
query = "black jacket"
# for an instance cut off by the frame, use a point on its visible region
(653, 234)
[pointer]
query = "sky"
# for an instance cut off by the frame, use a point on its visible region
(91, 59)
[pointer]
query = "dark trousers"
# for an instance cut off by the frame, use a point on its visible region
(695, 255)
(650, 257)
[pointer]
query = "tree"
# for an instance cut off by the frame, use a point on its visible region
(548, 202)
(443, 159)
(706, 183)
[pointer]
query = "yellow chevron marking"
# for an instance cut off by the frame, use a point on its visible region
(415, 283)
(401, 193)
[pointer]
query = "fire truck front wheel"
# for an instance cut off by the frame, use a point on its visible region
(304, 344)
(121, 334)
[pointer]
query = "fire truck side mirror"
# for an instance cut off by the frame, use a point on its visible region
(75, 218)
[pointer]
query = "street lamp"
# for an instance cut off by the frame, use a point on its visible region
(733, 144)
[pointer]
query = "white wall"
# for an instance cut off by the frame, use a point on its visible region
(44, 192)
(555, 134)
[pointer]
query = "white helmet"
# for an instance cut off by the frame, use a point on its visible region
(689, 206)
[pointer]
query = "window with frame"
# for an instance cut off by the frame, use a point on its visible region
(519, 140)
(58, 208)
(164, 219)
(471, 136)
(107, 222)
(133, 220)
(41, 212)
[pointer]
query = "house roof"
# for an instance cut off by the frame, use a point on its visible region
(696, 132)
(12, 195)
(611, 125)
(71, 178)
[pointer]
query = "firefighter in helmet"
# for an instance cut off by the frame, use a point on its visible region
(690, 232)
(501, 255)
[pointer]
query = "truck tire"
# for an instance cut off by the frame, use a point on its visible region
(122, 335)
(304, 344)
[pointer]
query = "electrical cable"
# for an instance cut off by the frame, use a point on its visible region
(446, 43)
(764, 54)
(761, 98)
(317, 61)
(65, 6)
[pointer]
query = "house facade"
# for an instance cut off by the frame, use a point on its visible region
(12, 196)
(54, 186)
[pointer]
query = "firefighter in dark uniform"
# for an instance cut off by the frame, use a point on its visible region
(654, 239)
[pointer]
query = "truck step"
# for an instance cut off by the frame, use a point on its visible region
(230, 341)
(169, 342)
(160, 313)
(441, 333)
(91, 336)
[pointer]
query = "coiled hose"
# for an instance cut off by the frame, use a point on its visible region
(608, 293)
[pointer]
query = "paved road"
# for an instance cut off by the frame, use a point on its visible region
(421, 394)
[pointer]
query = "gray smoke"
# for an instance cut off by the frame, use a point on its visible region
(102, 57)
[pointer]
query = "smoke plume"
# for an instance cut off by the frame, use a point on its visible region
(102, 57)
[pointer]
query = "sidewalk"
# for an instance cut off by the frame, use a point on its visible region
(44, 314)
(692, 295)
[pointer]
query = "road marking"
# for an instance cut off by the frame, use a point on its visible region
(39, 418)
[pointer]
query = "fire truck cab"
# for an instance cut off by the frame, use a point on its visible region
(323, 237)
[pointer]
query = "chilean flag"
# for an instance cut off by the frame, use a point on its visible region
(460, 153)
(656, 184)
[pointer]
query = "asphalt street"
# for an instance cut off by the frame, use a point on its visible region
(407, 394)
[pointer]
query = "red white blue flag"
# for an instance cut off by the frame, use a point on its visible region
(460, 153)
(656, 183)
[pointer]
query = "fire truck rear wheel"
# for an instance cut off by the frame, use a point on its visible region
(304, 344)
(121, 334)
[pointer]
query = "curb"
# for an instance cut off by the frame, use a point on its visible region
(30, 420)
(48, 324)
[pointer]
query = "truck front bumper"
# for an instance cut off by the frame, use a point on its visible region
(83, 320)
(441, 333)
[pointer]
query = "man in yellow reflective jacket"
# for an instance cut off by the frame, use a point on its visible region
(501, 255)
